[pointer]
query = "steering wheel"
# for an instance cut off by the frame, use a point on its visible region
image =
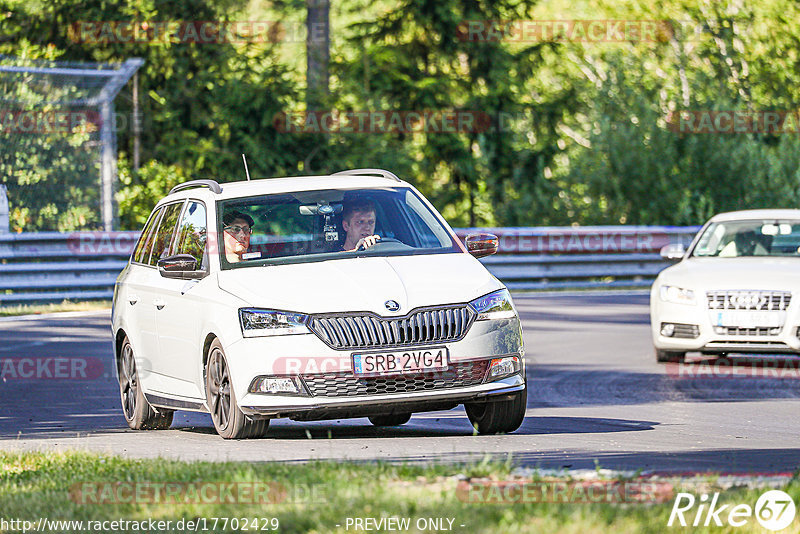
(381, 240)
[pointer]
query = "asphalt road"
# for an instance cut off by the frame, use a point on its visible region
(596, 397)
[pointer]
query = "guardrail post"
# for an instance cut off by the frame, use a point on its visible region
(4, 220)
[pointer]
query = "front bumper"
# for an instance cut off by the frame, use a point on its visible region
(306, 355)
(316, 408)
(708, 340)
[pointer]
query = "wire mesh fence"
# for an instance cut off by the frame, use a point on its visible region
(58, 142)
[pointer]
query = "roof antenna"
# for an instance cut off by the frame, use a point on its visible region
(244, 159)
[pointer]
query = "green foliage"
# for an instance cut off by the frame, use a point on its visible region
(318, 496)
(139, 192)
(415, 58)
(52, 182)
(577, 131)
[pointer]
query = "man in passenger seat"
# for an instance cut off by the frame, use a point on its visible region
(237, 227)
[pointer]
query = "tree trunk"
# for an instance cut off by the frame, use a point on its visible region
(317, 53)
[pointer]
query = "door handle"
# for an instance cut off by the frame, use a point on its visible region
(160, 303)
(133, 299)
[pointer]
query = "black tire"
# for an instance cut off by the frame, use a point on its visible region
(668, 356)
(396, 419)
(139, 414)
(229, 421)
(499, 416)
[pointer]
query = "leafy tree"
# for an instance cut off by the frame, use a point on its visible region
(417, 57)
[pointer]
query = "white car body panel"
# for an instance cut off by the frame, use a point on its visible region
(743, 275)
(172, 321)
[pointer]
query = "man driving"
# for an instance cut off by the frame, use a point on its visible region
(237, 227)
(358, 222)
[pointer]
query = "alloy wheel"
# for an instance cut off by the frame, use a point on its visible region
(220, 390)
(129, 384)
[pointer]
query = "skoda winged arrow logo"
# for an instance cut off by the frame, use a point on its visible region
(392, 305)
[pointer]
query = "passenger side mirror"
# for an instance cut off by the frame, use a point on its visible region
(179, 266)
(480, 245)
(673, 252)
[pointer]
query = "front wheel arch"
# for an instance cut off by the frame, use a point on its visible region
(119, 339)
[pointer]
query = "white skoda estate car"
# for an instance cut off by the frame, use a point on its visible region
(312, 298)
(733, 290)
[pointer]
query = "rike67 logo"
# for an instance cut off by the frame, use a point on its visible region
(774, 510)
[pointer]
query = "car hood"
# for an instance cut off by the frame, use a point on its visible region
(734, 273)
(362, 284)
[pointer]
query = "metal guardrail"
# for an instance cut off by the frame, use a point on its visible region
(52, 266)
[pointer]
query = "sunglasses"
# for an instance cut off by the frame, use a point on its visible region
(238, 229)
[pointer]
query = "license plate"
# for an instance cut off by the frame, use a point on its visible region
(401, 361)
(749, 319)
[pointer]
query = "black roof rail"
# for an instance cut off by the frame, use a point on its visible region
(368, 172)
(211, 184)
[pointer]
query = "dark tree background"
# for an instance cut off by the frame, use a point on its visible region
(575, 131)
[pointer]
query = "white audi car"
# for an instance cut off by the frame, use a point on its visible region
(732, 291)
(312, 298)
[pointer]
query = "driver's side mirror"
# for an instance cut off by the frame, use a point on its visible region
(480, 245)
(673, 252)
(179, 266)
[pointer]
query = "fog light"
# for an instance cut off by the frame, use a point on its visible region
(720, 330)
(775, 331)
(274, 385)
(667, 329)
(504, 366)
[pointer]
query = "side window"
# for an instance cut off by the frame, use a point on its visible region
(192, 235)
(143, 245)
(429, 232)
(163, 236)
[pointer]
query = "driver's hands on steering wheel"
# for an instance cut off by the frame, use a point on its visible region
(367, 242)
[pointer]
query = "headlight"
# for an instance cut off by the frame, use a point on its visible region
(677, 295)
(495, 305)
(256, 322)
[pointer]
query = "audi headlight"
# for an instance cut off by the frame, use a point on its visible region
(496, 305)
(256, 322)
(677, 295)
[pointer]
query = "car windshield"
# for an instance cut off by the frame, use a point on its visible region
(735, 239)
(307, 226)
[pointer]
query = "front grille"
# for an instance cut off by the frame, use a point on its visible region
(368, 330)
(748, 342)
(460, 374)
(749, 300)
(739, 331)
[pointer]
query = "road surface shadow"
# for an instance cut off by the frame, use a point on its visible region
(585, 385)
(563, 317)
(428, 425)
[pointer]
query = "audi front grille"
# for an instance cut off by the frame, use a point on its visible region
(749, 300)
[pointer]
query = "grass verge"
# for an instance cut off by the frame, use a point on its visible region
(65, 306)
(311, 497)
